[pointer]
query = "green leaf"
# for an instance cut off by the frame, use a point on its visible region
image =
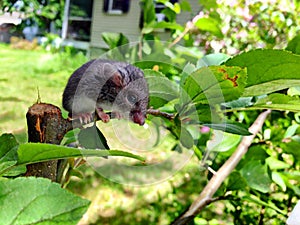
(185, 5)
(161, 89)
(8, 151)
(230, 127)
(276, 164)
(268, 70)
(294, 45)
(181, 133)
(294, 91)
(168, 25)
(70, 137)
(256, 176)
(236, 182)
(174, 7)
(269, 204)
(209, 4)
(148, 11)
(37, 152)
(256, 153)
(276, 177)
(278, 102)
(215, 84)
(223, 142)
(209, 24)
(293, 148)
(186, 139)
(239, 103)
(39, 201)
(187, 70)
(291, 130)
(114, 40)
(92, 138)
(214, 59)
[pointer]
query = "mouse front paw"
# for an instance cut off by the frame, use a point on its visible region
(102, 115)
(84, 118)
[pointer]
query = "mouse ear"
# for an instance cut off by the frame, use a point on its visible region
(117, 79)
(113, 74)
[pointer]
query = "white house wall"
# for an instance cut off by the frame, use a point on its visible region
(128, 23)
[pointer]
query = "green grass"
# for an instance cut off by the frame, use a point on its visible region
(22, 74)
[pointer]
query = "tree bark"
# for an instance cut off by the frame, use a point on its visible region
(45, 125)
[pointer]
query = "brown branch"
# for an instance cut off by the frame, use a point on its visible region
(206, 196)
(156, 112)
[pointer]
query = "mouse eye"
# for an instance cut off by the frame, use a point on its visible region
(131, 98)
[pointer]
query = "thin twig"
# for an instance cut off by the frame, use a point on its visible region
(188, 26)
(206, 196)
(186, 30)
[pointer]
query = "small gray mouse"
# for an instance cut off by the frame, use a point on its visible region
(101, 85)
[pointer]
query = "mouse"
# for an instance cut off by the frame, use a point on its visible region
(102, 85)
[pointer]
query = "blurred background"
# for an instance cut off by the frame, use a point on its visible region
(44, 41)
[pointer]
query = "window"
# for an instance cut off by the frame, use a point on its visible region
(116, 6)
(79, 20)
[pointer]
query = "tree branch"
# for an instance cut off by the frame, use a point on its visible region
(46, 125)
(156, 112)
(206, 196)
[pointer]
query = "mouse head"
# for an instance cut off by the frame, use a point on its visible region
(132, 100)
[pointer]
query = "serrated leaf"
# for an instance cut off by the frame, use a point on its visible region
(37, 152)
(256, 176)
(278, 102)
(8, 151)
(39, 201)
(268, 70)
(215, 84)
(161, 89)
(92, 138)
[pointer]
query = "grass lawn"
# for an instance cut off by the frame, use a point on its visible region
(22, 74)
